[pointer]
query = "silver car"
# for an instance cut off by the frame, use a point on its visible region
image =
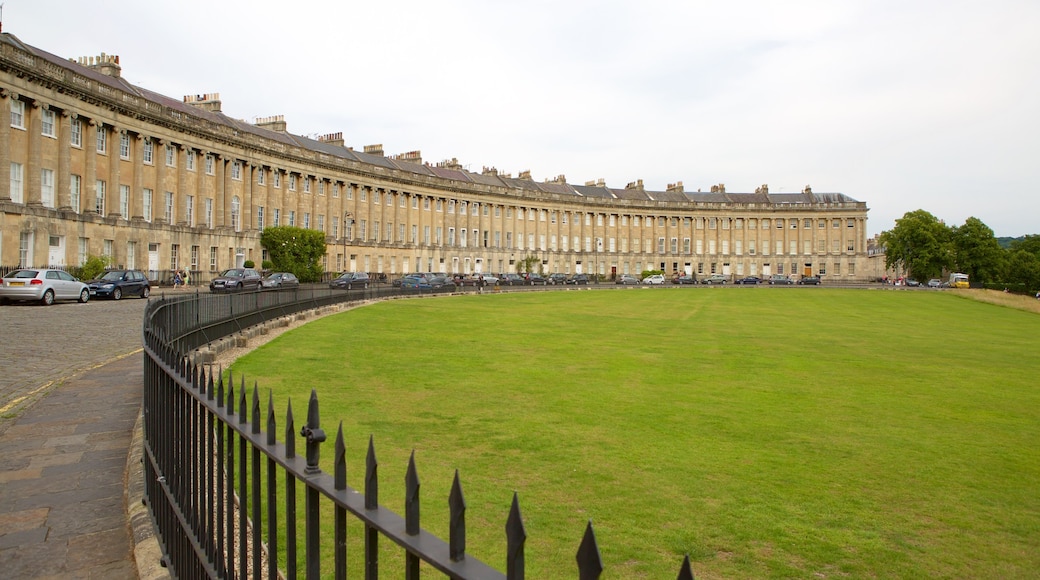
(43, 285)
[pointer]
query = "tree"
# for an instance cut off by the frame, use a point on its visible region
(1024, 268)
(295, 250)
(976, 251)
(920, 244)
(1029, 244)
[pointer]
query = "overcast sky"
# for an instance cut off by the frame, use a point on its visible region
(903, 104)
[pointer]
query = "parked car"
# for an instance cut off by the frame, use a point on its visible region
(236, 280)
(809, 281)
(627, 280)
(578, 279)
(935, 283)
(44, 285)
(441, 280)
(535, 279)
(488, 279)
(780, 280)
(280, 280)
(749, 281)
(684, 279)
(115, 284)
(510, 280)
(415, 282)
(654, 279)
(350, 280)
(715, 279)
(912, 282)
(557, 278)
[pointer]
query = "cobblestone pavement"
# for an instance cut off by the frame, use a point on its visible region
(70, 397)
(40, 345)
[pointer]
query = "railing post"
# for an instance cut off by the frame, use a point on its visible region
(314, 435)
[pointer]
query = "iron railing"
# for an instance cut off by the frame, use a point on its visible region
(213, 463)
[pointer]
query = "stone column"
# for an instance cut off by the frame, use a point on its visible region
(112, 190)
(220, 205)
(63, 197)
(248, 191)
(181, 187)
(5, 143)
(136, 201)
(88, 194)
(32, 167)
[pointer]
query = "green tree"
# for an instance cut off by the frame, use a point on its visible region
(920, 244)
(1023, 267)
(976, 251)
(93, 268)
(295, 250)
(1029, 244)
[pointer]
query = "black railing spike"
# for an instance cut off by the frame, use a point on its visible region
(271, 426)
(590, 566)
(290, 432)
(198, 381)
(371, 476)
(241, 399)
(220, 387)
(411, 497)
(456, 521)
(256, 409)
(340, 468)
(314, 435)
(516, 537)
(230, 395)
(685, 572)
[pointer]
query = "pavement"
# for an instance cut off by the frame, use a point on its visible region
(70, 396)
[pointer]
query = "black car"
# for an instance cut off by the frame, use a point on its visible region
(809, 280)
(686, 279)
(350, 280)
(236, 280)
(115, 284)
(280, 280)
(749, 280)
(558, 278)
(578, 279)
(628, 280)
(510, 280)
(535, 279)
(441, 280)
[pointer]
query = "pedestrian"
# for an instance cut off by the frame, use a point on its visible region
(177, 281)
(184, 278)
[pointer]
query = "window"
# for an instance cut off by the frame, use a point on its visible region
(712, 223)
(277, 179)
(292, 218)
(124, 201)
(81, 255)
(236, 207)
(236, 171)
(168, 213)
(146, 201)
(321, 187)
(194, 258)
(209, 164)
(189, 210)
(191, 160)
(148, 152)
(25, 244)
(836, 223)
(276, 217)
(851, 246)
(75, 184)
(807, 223)
(76, 133)
(47, 123)
(175, 251)
(107, 248)
(17, 114)
(660, 245)
(131, 254)
(851, 223)
(102, 139)
(209, 213)
(124, 145)
(321, 223)
(261, 174)
(335, 190)
(213, 259)
(307, 221)
(16, 183)
(306, 184)
(260, 218)
(171, 156)
(779, 223)
(99, 197)
(765, 223)
(686, 245)
(292, 182)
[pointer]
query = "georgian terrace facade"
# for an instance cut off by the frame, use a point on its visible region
(97, 166)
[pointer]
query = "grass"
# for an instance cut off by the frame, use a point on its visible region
(765, 432)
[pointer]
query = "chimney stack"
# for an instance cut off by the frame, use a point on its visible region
(207, 102)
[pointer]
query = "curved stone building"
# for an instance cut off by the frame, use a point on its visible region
(92, 165)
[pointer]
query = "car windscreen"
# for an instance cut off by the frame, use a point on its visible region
(112, 276)
(232, 274)
(22, 274)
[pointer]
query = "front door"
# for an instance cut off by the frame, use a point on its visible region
(56, 254)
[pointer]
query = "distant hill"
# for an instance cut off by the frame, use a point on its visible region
(1006, 242)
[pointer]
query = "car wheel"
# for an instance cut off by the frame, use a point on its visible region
(146, 292)
(84, 295)
(48, 298)
(117, 294)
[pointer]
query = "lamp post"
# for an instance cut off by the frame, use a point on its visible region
(346, 228)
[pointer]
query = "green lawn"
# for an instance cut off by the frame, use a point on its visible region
(766, 432)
